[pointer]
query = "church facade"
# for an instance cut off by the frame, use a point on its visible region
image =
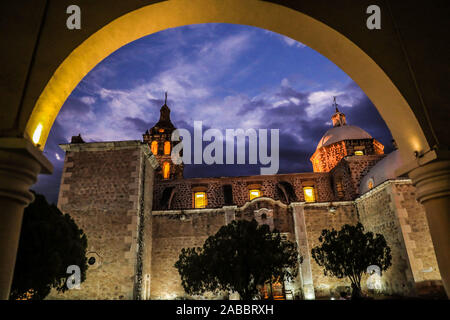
(138, 212)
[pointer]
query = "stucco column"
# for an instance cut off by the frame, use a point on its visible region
(302, 243)
(20, 163)
(432, 181)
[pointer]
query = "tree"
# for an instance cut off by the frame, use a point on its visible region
(240, 257)
(50, 241)
(348, 253)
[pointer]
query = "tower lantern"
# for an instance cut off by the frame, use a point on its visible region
(338, 117)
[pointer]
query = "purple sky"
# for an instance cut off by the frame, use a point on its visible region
(229, 77)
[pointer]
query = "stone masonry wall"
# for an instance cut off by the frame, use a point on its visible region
(392, 209)
(417, 235)
(177, 229)
(173, 231)
(318, 217)
(379, 214)
(350, 171)
(100, 189)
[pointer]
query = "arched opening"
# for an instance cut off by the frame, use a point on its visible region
(154, 147)
(339, 49)
(296, 25)
(167, 147)
(166, 170)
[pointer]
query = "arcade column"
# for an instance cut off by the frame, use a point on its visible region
(432, 181)
(20, 164)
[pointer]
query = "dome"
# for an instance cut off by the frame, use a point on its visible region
(340, 133)
(382, 171)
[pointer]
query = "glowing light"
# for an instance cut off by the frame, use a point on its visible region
(154, 147)
(57, 156)
(167, 147)
(200, 200)
(309, 194)
(359, 153)
(37, 133)
(166, 170)
(255, 193)
(309, 296)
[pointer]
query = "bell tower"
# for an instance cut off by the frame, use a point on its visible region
(159, 140)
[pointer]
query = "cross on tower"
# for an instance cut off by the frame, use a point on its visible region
(335, 103)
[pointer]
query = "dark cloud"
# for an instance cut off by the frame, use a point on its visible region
(139, 124)
(74, 107)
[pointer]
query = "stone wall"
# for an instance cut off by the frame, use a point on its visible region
(102, 190)
(349, 172)
(318, 217)
(172, 231)
(391, 209)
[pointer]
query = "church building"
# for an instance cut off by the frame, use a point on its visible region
(138, 212)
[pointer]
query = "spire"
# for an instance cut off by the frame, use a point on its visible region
(338, 118)
(335, 104)
(164, 118)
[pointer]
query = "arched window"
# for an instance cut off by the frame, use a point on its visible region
(167, 147)
(199, 199)
(166, 170)
(310, 194)
(254, 193)
(154, 147)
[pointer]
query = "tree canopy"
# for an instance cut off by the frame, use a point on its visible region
(240, 257)
(349, 251)
(50, 241)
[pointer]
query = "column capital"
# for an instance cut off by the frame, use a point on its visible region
(20, 164)
(432, 180)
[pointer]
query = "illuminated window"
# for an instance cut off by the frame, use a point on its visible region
(161, 130)
(359, 153)
(309, 194)
(200, 199)
(154, 147)
(255, 193)
(167, 147)
(166, 170)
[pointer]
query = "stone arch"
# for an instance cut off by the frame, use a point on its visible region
(40, 83)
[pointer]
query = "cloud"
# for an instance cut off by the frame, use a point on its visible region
(285, 40)
(291, 42)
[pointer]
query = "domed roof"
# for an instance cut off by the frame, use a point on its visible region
(382, 171)
(345, 132)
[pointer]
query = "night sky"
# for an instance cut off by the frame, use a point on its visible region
(229, 77)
